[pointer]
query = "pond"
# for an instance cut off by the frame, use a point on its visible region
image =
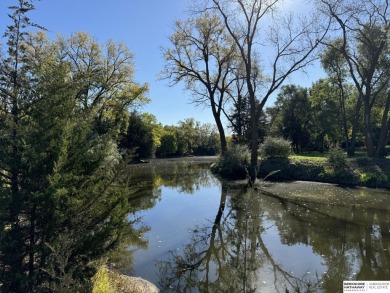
(207, 235)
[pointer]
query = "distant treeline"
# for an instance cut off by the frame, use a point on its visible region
(147, 138)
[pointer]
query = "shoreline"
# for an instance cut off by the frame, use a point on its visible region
(362, 172)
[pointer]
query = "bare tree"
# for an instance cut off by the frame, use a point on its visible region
(363, 27)
(201, 56)
(255, 25)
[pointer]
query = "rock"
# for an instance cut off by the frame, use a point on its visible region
(140, 285)
(127, 284)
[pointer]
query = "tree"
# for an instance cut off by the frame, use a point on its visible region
(168, 145)
(363, 28)
(186, 134)
(293, 116)
(335, 65)
(327, 115)
(207, 138)
(139, 137)
(292, 45)
(201, 57)
(239, 115)
(62, 191)
(15, 85)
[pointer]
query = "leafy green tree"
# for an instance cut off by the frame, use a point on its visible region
(208, 140)
(186, 134)
(335, 65)
(168, 145)
(326, 114)
(365, 48)
(293, 116)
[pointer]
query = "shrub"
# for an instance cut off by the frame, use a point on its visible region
(337, 159)
(373, 179)
(275, 147)
(233, 163)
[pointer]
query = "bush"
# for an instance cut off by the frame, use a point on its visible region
(337, 159)
(275, 147)
(373, 179)
(234, 162)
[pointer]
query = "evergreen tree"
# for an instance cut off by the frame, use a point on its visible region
(17, 95)
(139, 137)
(63, 195)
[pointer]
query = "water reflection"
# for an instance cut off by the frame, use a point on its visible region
(148, 179)
(264, 242)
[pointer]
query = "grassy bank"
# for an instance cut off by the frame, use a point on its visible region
(108, 281)
(359, 171)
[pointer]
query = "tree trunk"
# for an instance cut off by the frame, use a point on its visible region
(351, 150)
(344, 116)
(222, 136)
(31, 249)
(253, 169)
(217, 118)
(370, 147)
(380, 149)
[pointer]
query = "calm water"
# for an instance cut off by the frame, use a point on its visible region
(205, 235)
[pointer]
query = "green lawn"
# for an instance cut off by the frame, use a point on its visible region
(317, 156)
(312, 156)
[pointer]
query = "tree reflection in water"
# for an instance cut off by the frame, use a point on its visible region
(350, 242)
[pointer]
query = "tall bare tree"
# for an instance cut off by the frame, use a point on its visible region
(363, 27)
(201, 56)
(254, 26)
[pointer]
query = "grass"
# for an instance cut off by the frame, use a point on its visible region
(314, 166)
(312, 156)
(317, 156)
(108, 281)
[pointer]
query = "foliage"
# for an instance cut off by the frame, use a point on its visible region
(326, 122)
(363, 44)
(234, 162)
(337, 159)
(275, 147)
(168, 145)
(208, 141)
(63, 193)
(291, 116)
(139, 137)
(186, 135)
(190, 138)
(240, 122)
(101, 281)
(373, 179)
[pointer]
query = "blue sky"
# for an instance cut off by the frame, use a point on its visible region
(144, 26)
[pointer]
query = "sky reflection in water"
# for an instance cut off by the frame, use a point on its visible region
(294, 239)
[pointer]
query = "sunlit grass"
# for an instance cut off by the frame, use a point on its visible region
(317, 156)
(312, 156)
